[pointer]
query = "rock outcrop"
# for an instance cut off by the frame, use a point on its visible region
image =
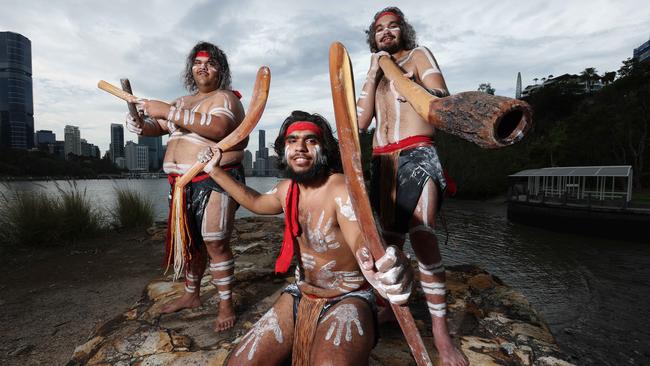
(492, 323)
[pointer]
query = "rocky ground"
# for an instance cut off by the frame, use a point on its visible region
(95, 303)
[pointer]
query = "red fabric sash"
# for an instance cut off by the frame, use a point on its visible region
(237, 93)
(291, 229)
(412, 141)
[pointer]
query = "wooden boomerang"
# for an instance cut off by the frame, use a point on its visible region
(133, 111)
(345, 111)
(253, 115)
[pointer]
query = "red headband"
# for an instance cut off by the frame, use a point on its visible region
(385, 13)
(304, 126)
(202, 54)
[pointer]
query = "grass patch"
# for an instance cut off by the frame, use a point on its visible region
(35, 219)
(132, 209)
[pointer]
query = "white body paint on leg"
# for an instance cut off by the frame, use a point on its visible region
(222, 232)
(267, 323)
(344, 316)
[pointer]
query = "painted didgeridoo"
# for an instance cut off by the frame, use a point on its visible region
(489, 121)
(345, 112)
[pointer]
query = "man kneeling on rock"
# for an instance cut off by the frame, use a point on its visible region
(328, 315)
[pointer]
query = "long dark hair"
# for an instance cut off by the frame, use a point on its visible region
(408, 39)
(329, 144)
(218, 56)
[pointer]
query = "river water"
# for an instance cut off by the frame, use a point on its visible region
(592, 292)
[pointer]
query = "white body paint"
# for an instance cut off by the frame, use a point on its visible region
(308, 261)
(267, 323)
(346, 208)
(344, 316)
(433, 288)
(345, 281)
(222, 266)
(272, 191)
(437, 310)
(431, 269)
(321, 238)
(222, 233)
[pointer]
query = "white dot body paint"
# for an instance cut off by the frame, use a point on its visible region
(267, 323)
(344, 316)
(346, 208)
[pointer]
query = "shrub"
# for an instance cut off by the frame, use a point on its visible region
(132, 209)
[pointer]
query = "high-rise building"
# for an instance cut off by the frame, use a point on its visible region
(72, 140)
(44, 139)
(642, 53)
(16, 98)
(117, 141)
(518, 91)
(248, 163)
(136, 156)
(154, 143)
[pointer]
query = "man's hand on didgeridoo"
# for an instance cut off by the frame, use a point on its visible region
(391, 275)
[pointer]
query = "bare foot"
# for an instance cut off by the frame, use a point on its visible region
(385, 315)
(450, 355)
(226, 318)
(187, 301)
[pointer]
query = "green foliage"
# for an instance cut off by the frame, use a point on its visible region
(570, 128)
(486, 88)
(80, 218)
(22, 163)
(132, 210)
(35, 219)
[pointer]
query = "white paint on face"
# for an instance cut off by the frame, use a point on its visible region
(267, 323)
(345, 281)
(308, 261)
(321, 238)
(343, 317)
(320, 157)
(346, 208)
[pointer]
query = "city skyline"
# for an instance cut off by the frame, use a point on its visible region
(474, 42)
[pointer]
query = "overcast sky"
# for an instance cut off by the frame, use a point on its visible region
(77, 43)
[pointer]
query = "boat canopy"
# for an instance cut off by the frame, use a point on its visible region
(597, 182)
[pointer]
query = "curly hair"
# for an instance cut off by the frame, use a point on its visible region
(329, 144)
(408, 37)
(219, 58)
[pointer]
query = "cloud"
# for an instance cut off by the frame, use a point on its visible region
(75, 44)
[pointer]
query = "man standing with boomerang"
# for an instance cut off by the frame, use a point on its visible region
(193, 122)
(327, 316)
(407, 181)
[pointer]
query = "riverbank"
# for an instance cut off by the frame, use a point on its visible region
(491, 322)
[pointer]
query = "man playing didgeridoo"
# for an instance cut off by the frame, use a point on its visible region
(407, 178)
(328, 315)
(193, 122)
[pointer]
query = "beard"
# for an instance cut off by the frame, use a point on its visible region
(317, 172)
(391, 48)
